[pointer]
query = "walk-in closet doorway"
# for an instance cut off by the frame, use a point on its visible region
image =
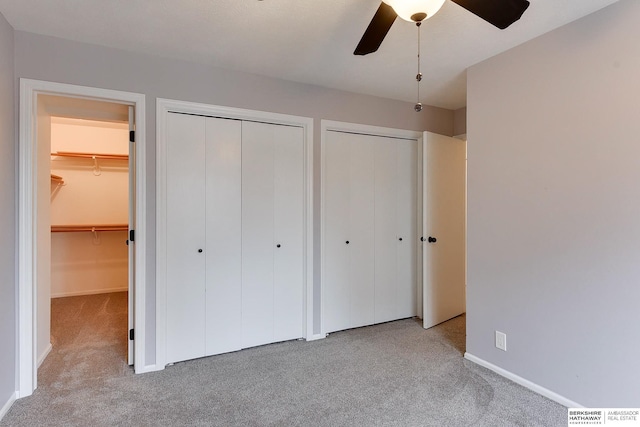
(89, 216)
(81, 203)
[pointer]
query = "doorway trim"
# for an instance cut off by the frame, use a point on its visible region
(27, 241)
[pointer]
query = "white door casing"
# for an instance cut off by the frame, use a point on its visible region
(131, 252)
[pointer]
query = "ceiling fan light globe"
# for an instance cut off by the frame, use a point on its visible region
(408, 8)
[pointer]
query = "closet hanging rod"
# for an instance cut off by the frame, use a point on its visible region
(91, 155)
(92, 228)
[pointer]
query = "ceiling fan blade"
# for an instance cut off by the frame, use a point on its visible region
(500, 13)
(377, 30)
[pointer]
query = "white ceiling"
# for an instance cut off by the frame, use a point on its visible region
(303, 41)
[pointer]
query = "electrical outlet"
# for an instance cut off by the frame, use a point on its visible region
(501, 340)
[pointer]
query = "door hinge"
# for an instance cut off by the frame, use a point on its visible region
(132, 136)
(132, 235)
(131, 334)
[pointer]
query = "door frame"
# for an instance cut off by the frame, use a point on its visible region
(331, 125)
(27, 239)
(163, 108)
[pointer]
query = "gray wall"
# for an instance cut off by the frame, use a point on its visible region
(460, 121)
(46, 58)
(7, 217)
(554, 209)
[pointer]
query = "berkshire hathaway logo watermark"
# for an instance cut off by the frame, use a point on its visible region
(603, 417)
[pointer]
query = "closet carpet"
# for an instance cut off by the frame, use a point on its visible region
(393, 374)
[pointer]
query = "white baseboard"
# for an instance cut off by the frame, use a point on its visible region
(524, 382)
(44, 354)
(7, 405)
(90, 292)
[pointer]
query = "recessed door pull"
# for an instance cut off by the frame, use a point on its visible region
(278, 245)
(400, 239)
(199, 251)
(347, 242)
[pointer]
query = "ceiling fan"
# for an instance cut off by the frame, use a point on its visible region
(500, 13)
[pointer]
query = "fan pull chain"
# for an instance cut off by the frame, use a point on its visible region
(418, 106)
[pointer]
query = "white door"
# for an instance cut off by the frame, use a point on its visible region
(186, 221)
(288, 224)
(395, 228)
(361, 233)
(406, 229)
(369, 229)
(257, 234)
(386, 233)
(132, 222)
(336, 288)
(272, 230)
(349, 242)
(223, 235)
(444, 183)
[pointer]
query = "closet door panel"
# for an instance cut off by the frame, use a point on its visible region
(386, 236)
(185, 334)
(257, 233)
(336, 290)
(288, 202)
(406, 202)
(223, 235)
(361, 230)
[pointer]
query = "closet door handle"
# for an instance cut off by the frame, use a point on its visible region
(347, 242)
(199, 251)
(400, 239)
(278, 245)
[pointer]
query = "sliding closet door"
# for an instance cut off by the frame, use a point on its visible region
(223, 236)
(369, 201)
(288, 199)
(257, 233)
(395, 228)
(361, 230)
(185, 237)
(406, 226)
(387, 239)
(272, 200)
(348, 292)
(235, 222)
(336, 289)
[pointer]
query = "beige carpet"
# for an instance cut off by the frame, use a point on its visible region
(394, 374)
